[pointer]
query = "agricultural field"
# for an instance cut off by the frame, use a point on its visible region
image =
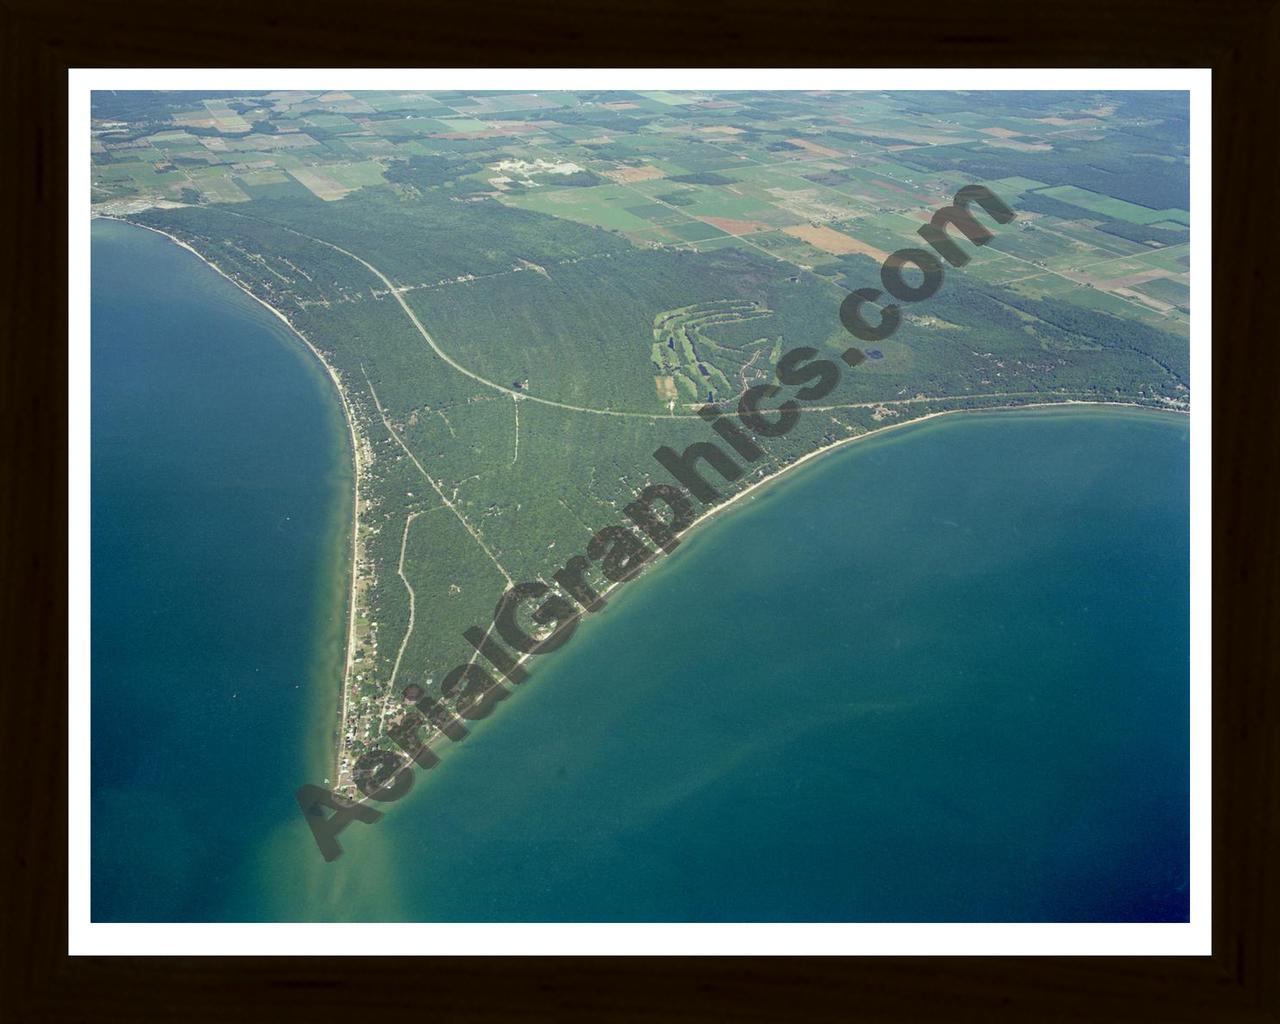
(524, 295)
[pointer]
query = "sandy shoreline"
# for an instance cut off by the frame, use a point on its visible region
(438, 740)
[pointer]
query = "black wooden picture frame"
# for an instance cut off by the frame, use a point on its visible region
(1238, 39)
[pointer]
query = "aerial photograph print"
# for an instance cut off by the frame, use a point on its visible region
(699, 507)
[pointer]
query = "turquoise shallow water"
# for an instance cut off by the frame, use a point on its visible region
(939, 675)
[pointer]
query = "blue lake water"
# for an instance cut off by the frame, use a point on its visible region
(939, 675)
(219, 508)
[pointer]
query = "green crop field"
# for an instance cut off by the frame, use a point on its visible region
(1110, 207)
